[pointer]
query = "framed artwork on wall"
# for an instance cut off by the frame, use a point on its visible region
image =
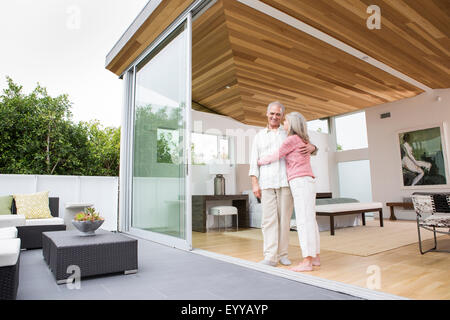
(423, 155)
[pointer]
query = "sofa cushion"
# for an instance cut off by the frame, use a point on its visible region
(12, 220)
(33, 206)
(8, 233)
(44, 222)
(9, 252)
(326, 201)
(5, 204)
(335, 200)
(342, 207)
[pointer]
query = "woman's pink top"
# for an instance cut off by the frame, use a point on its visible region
(297, 164)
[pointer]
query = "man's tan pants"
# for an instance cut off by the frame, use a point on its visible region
(277, 208)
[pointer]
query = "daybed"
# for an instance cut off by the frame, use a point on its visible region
(324, 202)
(336, 210)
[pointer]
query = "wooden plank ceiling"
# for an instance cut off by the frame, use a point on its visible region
(414, 37)
(244, 59)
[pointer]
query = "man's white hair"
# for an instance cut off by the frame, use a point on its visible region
(275, 103)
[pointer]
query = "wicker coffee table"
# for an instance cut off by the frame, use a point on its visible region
(106, 252)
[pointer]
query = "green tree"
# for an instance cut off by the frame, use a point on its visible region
(38, 136)
(104, 146)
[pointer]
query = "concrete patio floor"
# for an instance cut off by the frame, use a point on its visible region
(168, 274)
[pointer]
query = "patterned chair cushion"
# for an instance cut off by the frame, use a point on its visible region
(423, 204)
(437, 220)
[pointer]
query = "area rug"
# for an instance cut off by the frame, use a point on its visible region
(361, 241)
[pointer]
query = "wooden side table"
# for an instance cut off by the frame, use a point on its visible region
(199, 214)
(404, 205)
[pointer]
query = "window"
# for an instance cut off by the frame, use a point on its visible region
(319, 125)
(208, 147)
(351, 131)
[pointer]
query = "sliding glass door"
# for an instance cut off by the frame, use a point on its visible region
(160, 206)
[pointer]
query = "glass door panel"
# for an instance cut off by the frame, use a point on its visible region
(159, 159)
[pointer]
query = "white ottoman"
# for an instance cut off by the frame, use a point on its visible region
(8, 233)
(224, 211)
(12, 220)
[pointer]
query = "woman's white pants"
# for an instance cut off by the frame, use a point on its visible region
(303, 191)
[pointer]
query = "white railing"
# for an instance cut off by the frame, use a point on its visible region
(102, 192)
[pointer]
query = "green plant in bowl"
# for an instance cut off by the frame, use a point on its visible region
(89, 214)
(88, 221)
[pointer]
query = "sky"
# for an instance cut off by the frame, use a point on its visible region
(62, 44)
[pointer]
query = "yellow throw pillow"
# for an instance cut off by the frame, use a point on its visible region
(33, 206)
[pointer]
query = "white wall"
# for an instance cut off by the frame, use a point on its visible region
(320, 162)
(351, 169)
(202, 122)
(354, 180)
(384, 154)
(101, 191)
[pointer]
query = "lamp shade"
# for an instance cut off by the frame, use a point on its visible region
(219, 168)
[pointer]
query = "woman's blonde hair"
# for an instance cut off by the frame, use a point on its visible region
(298, 126)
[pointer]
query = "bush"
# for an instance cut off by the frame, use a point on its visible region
(38, 136)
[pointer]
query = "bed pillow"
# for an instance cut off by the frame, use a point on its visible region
(5, 204)
(33, 206)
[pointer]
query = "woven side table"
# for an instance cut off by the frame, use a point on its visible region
(106, 252)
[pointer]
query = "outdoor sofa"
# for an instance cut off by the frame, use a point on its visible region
(30, 230)
(9, 263)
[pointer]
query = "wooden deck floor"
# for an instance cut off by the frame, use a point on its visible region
(403, 271)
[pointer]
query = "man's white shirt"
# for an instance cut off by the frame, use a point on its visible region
(267, 142)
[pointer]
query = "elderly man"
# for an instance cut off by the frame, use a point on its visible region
(270, 184)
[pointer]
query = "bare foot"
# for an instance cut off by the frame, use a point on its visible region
(316, 261)
(302, 267)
